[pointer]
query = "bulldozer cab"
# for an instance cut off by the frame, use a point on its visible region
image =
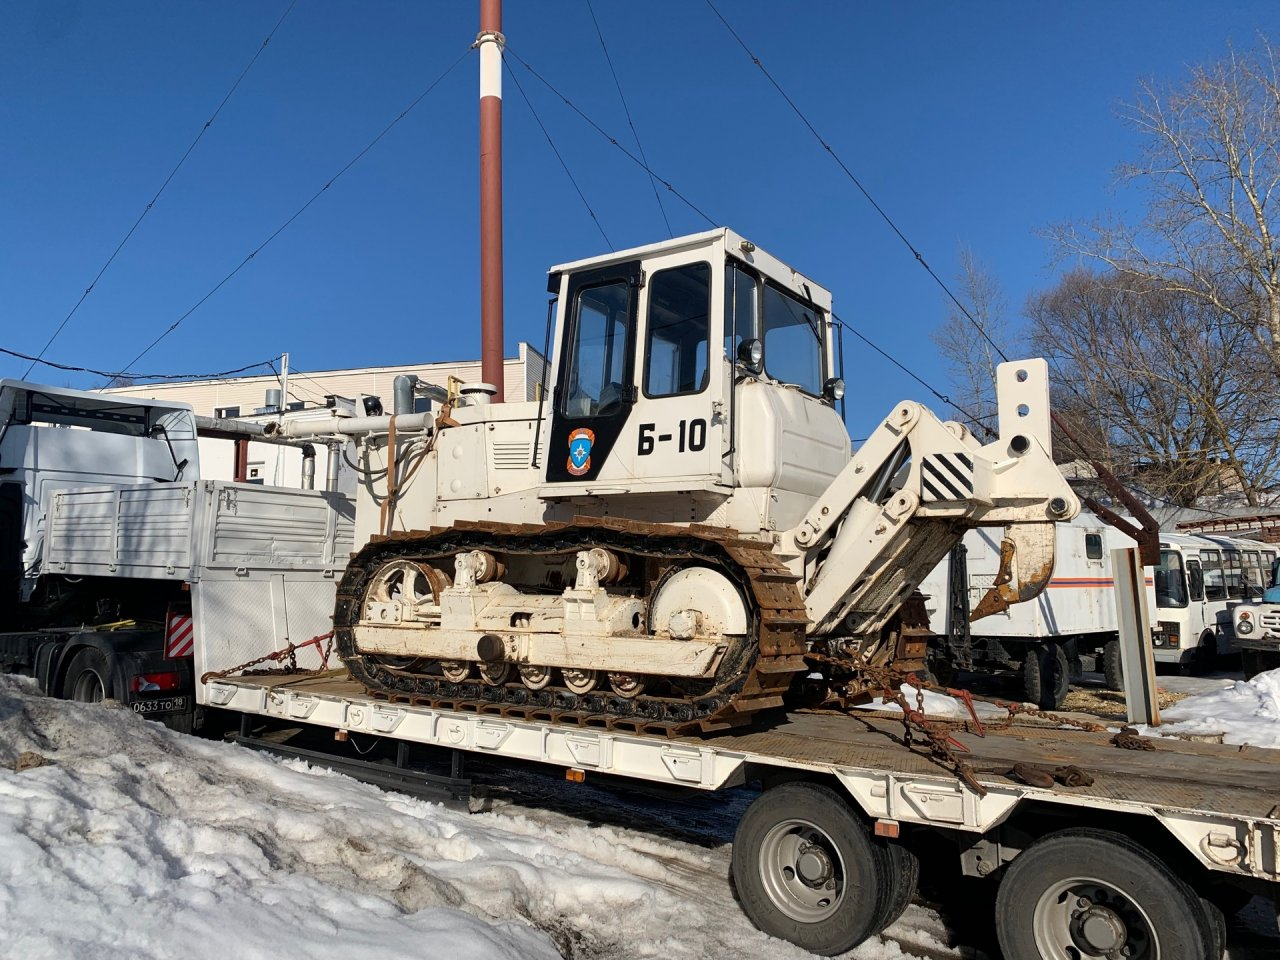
(650, 345)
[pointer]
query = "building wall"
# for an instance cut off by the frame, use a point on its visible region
(521, 374)
(273, 464)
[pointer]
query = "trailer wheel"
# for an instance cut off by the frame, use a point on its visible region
(88, 678)
(1046, 675)
(1085, 893)
(1112, 667)
(900, 872)
(806, 871)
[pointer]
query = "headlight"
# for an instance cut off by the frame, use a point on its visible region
(1244, 627)
(834, 389)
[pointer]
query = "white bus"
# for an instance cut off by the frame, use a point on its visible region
(1197, 582)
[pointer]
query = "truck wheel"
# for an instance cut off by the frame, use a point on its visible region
(900, 871)
(88, 678)
(1112, 669)
(1092, 893)
(1046, 675)
(805, 869)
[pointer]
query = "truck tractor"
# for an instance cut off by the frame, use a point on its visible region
(676, 535)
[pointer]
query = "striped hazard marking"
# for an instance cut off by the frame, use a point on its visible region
(179, 635)
(947, 476)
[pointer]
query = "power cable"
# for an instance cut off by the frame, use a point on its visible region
(315, 196)
(565, 166)
(122, 374)
(857, 183)
(627, 110)
(613, 140)
(152, 202)
(976, 420)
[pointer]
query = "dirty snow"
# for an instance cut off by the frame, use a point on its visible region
(135, 841)
(937, 705)
(1245, 712)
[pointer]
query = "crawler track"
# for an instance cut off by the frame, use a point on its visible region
(748, 683)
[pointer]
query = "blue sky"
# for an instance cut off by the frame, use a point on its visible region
(973, 124)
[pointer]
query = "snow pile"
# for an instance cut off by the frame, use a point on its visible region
(937, 705)
(1245, 712)
(136, 841)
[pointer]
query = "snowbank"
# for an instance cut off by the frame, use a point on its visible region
(139, 842)
(1245, 712)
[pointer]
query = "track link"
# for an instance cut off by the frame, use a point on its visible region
(754, 681)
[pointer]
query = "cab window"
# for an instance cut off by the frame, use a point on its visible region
(792, 341)
(1093, 546)
(741, 309)
(597, 352)
(679, 331)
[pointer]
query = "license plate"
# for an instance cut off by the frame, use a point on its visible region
(167, 705)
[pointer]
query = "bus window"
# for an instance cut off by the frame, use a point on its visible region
(1233, 571)
(1195, 579)
(1214, 586)
(1171, 583)
(1254, 582)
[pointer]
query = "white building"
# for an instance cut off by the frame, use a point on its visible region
(245, 398)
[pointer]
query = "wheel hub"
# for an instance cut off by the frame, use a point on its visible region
(813, 866)
(1101, 931)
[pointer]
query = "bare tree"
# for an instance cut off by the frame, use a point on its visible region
(1210, 164)
(969, 345)
(1166, 387)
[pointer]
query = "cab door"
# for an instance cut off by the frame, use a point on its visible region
(635, 408)
(595, 386)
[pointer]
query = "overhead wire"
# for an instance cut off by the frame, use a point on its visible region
(978, 421)
(152, 202)
(315, 196)
(857, 183)
(129, 374)
(608, 136)
(556, 151)
(630, 123)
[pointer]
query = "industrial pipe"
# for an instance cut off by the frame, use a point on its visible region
(353, 426)
(308, 466)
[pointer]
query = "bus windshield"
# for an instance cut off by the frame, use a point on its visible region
(1171, 580)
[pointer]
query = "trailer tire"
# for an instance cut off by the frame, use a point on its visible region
(900, 873)
(1046, 675)
(88, 677)
(1092, 893)
(806, 871)
(1113, 665)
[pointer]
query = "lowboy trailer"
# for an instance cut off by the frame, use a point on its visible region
(1140, 856)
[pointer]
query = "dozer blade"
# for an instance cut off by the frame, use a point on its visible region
(1026, 566)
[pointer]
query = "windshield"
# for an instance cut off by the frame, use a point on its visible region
(792, 341)
(1171, 580)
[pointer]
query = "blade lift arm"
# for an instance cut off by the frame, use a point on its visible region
(912, 490)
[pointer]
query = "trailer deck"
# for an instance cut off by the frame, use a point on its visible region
(1221, 802)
